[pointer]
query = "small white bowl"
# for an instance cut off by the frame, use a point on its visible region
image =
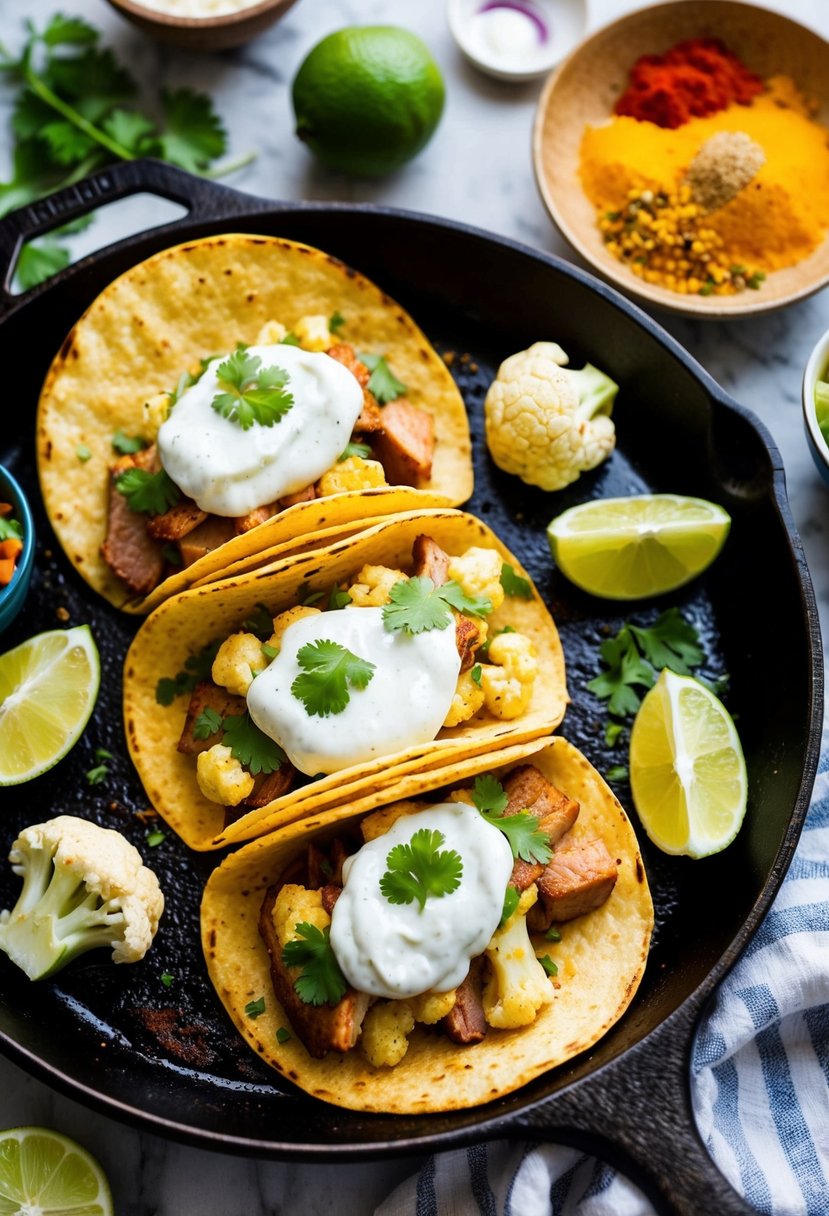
(816, 369)
(565, 22)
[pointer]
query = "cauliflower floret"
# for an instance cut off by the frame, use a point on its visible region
(313, 332)
(518, 986)
(239, 658)
(545, 423)
(295, 905)
(284, 619)
(221, 777)
(386, 1028)
(83, 886)
(354, 473)
(155, 412)
(507, 681)
(271, 334)
(479, 573)
(430, 1007)
(372, 586)
(468, 699)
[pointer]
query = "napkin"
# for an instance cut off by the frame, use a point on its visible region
(760, 1081)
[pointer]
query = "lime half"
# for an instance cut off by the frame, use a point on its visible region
(43, 1173)
(627, 548)
(687, 770)
(48, 688)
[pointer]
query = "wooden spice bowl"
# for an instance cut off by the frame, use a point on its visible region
(204, 33)
(584, 90)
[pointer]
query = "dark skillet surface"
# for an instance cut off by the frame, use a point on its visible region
(168, 1057)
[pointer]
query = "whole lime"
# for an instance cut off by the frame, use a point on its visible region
(368, 98)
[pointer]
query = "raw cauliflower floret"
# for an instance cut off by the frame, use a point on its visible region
(271, 334)
(284, 619)
(547, 423)
(354, 473)
(83, 886)
(479, 573)
(372, 586)
(518, 986)
(430, 1007)
(385, 1034)
(221, 777)
(313, 332)
(295, 905)
(468, 699)
(155, 412)
(507, 680)
(238, 660)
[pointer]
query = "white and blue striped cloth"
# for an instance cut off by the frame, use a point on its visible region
(760, 1074)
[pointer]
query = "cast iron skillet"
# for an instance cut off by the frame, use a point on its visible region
(164, 1057)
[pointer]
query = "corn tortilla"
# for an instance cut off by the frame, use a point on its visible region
(600, 958)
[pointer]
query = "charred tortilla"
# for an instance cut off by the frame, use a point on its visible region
(600, 958)
(184, 625)
(191, 301)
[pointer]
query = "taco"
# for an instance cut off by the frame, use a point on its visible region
(390, 653)
(229, 395)
(436, 955)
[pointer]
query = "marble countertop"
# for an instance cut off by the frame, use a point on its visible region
(476, 169)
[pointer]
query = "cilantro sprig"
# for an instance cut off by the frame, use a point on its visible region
(521, 830)
(328, 669)
(421, 869)
(321, 981)
(251, 746)
(148, 493)
(207, 723)
(197, 667)
(416, 605)
(514, 584)
(636, 655)
(252, 393)
(354, 449)
(75, 111)
(382, 383)
(126, 444)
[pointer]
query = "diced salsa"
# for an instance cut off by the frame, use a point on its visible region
(11, 543)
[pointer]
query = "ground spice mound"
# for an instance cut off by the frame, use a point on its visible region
(724, 165)
(692, 80)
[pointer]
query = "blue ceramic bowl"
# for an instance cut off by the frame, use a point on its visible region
(13, 596)
(816, 369)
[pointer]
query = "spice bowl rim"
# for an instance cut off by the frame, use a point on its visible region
(559, 124)
(13, 595)
(817, 362)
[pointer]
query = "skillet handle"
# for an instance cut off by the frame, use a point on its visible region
(636, 1113)
(199, 196)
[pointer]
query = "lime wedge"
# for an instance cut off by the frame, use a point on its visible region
(42, 1172)
(626, 548)
(48, 688)
(687, 770)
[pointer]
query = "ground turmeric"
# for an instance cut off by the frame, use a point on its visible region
(778, 219)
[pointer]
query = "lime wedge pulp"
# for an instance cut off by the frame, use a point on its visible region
(627, 548)
(48, 688)
(45, 1173)
(687, 771)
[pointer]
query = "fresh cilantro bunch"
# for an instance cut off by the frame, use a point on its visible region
(75, 111)
(252, 393)
(420, 868)
(382, 383)
(416, 604)
(636, 655)
(321, 981)
(521, 830)
(327, 671)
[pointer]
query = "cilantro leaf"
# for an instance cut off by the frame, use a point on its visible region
(251, 746)
(207, 723)
(290, 339)
(260, 622)
(512, 898)
(150, 493)
(552, 935)
(419, 869)
(92, 74)
(670, 642)
(416, 605)
(382, 383)
(455, 595)
(521, 830)
(270, 652)
(321, 981)
(612, 731)
(355, 449)
(97, 774)
(255, 1009)
(547, 963)
(514, 584)
(337, 598)
(127, 444)
(128, 128)
(155, 837)
(327, 670)
(166, 978)
(283, 1035)
(476, 673)
(253, 393)
(69, 31)
(66, 143)
(193, 135)
(617, 772)
(637, 653)
(10, 529)
(38, 261)
(335, 322)
(197, 667)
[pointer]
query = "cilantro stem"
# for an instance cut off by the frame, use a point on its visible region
(229, 166)
(71, 115)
